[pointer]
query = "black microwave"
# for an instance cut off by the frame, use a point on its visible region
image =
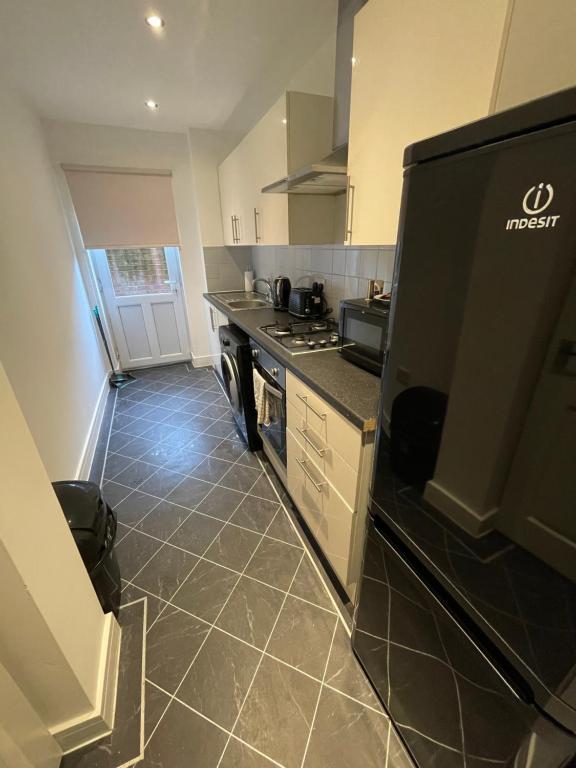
(363, 332)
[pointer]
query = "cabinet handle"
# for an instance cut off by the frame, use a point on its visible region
(256, 220)
(308, 474)
(350, 193)
(304, 399)
(212, 319)
(235, 231)
(304, 433)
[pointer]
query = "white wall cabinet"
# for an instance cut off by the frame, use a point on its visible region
(296, 131)
(539, 55)
(421, 68)
(329, 468)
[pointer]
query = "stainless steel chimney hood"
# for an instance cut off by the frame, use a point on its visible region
(329, 175)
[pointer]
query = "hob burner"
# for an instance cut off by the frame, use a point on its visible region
(302, 336)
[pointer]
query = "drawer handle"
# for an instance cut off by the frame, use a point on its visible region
(304, 399)
(304, 433)
(308, 474)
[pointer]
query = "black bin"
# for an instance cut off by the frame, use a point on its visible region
(93, 525)
(416, 424)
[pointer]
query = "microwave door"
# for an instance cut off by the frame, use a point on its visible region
(364, 339)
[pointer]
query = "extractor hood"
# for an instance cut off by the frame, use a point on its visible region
(329, 175)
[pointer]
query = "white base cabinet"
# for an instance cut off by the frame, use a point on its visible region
(329, 468)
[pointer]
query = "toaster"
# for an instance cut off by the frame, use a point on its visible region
(307, 302)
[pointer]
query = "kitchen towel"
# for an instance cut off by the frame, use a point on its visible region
(261, 398)
(268, 400)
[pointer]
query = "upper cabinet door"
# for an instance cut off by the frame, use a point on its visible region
(229, 178)
(421, 68)
(295, 132)
(268, 141)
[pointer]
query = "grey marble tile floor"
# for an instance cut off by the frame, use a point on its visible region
(248, 663)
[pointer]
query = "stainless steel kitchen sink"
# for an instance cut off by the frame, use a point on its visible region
(248, 304)
(236, 300)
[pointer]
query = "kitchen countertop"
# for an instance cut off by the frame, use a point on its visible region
(352, 391)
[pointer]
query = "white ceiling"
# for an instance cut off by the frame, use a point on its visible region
(217, 63)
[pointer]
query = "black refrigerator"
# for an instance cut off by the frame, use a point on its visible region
(466, 617)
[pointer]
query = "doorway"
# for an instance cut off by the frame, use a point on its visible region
(142, 293)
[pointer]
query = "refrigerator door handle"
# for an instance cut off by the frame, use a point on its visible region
(444, 601)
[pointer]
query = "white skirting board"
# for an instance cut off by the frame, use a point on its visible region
(100, 721)
(83, 471)
(202, 361)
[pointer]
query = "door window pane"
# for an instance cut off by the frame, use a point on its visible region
(137, 271)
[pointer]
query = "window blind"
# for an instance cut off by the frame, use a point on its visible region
(119, 208)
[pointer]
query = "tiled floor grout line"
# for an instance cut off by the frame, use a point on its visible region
(319, 694)
(213, 625)
(213, 722)
(232, 570)
(263, 653)
(305, 547)
(211, 628)
(199, 560)
(214, 485)
(168, 604)
(203, 514)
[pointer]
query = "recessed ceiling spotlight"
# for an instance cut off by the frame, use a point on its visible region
(151, 104)
(284, 121)
(155, 21)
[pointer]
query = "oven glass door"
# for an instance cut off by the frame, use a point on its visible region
(275, 433)
(364, 338)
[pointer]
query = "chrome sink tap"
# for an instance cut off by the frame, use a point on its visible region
(268, 285)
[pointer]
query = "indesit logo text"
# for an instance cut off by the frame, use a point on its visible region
(536, 200)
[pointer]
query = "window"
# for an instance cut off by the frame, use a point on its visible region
(138, 271)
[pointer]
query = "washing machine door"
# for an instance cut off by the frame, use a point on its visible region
(231, 380)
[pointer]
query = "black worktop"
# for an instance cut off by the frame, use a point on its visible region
(352, 391)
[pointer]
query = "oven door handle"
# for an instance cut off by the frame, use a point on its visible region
(273, 391)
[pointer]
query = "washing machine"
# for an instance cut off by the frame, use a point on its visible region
(236, 364)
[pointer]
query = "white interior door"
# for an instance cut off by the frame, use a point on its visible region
(142, 290)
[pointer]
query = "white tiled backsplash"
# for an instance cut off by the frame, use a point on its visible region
(225, 267)
(345, 271)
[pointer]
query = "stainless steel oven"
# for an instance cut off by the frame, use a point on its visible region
(274, 435)
(363, 332)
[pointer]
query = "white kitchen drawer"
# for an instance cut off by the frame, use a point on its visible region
(329, 518)
(338, 472)
(328, 424)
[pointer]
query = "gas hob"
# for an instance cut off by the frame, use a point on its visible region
(302, 336)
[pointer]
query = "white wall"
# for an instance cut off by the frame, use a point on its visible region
(132, 148)
(317, 74)
(47, 337)
(52, 633)
(207, 150)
